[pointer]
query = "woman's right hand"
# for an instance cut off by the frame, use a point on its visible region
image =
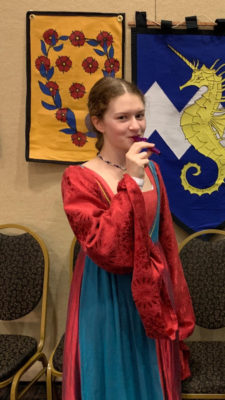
(137, 160)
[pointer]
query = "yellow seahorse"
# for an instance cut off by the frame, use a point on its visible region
(203, 122)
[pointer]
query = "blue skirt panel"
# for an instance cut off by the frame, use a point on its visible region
(118, 361)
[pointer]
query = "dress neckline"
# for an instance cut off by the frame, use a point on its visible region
(106, 185)
(101, 180)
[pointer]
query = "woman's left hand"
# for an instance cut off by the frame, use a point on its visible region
(137, 160)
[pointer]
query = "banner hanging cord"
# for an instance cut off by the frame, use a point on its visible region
(177, 24)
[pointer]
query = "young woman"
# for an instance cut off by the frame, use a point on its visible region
(129, 306)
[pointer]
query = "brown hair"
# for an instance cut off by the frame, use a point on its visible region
(102, 93)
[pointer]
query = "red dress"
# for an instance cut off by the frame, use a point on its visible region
(158, 286)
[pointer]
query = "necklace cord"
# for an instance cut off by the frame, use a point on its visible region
(110, 163)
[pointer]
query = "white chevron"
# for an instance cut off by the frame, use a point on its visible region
(162, 116)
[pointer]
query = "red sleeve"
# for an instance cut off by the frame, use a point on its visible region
(104, 230)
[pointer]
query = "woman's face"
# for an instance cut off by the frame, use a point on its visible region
(124, 119)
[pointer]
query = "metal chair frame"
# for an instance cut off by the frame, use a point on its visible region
(39, 355)
(182, 244)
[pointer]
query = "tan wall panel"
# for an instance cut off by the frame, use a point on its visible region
(206, 11)
(30, 192)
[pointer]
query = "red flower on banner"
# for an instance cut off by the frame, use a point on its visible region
(77, 90)
(64, 63)
(90, 65)
(50, 37)
(42, 60)
(104, 37)
(61, 114)
(112, 64)
(77, 38)
(53, 87)
(79, 139)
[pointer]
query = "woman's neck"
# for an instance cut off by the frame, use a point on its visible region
(115, 156)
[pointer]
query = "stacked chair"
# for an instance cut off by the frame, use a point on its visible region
(24, 271)
(203, 258)
(55, 364)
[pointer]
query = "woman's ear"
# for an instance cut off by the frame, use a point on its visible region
(98, 123)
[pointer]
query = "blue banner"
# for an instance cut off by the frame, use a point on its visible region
(183, 77)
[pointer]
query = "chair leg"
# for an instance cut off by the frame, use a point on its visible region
(14, 395)
(49, 383)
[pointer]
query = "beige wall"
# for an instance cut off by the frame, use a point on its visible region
(30, 192)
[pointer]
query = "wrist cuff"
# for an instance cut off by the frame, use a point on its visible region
(139, 181)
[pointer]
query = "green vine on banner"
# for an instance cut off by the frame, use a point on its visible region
(103, 47)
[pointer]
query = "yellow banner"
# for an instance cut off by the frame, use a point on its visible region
(66, 54)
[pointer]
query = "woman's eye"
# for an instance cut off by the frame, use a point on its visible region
(122, 117)
(140, 116)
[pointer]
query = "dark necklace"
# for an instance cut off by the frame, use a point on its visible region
(110, 163)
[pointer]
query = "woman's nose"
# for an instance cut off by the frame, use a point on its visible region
(134, 124)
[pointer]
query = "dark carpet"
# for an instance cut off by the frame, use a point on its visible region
(37, 392)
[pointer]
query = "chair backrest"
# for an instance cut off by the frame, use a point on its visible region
(24, 269)
(203, 260)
